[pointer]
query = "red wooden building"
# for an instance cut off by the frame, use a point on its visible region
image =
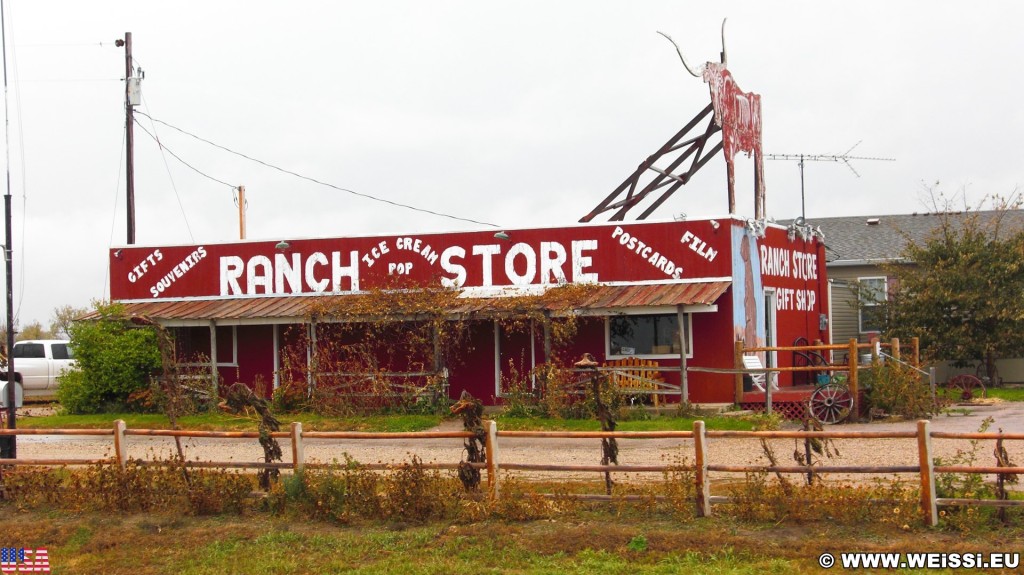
(705, 283)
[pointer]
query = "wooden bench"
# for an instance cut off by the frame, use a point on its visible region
(636, 375)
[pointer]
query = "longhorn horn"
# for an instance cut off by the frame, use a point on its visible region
(725, 56)
(680, 52)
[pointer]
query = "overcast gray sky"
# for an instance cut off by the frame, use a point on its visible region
(520, 114)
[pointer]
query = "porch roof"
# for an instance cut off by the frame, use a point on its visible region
(278, 309)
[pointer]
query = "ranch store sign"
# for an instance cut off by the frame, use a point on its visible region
(666, 252)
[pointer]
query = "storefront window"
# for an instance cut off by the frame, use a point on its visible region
(640, 335)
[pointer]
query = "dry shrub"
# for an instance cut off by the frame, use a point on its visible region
(414, 493)
(680, 488)
(520, 502)
(137, 488)
(347, 492)
(339, 493)
(564, 393)
(898, 389)
(758, 499)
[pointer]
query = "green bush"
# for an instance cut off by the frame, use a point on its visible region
(115, 358)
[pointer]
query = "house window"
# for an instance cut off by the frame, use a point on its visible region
(872, 291)
(646, 335)
(193, 345)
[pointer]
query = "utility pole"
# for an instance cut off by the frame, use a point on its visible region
(241, 212)
(9, 444)
(845, 158)
(131, 96)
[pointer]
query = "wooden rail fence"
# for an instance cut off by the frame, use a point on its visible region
(701, 467)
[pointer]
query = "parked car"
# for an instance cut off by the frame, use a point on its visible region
(40, 361)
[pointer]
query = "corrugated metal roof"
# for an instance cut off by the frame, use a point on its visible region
(697, 293)
(297, 307)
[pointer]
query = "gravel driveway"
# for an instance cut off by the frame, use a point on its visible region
(728, 451)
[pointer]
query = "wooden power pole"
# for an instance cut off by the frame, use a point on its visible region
(131, 96)
(241, 212)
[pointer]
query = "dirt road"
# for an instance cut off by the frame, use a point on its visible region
(874, 452)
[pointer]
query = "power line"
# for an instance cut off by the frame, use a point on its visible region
(316, 181)
(113, 221)
(176, 157)
(170, 176)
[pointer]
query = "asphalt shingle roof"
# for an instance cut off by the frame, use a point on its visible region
(854, 239)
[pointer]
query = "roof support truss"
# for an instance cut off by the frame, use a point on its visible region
(649, 179)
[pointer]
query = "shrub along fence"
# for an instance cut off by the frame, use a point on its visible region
(494, 467)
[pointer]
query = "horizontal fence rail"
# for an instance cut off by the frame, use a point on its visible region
(701, 466)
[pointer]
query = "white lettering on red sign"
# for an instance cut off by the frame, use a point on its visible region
(177, 272)
(698, 245)
(787, 299)
(781, 262)
(140, 270)
(640, 248)
(261, 277)
(521, 263)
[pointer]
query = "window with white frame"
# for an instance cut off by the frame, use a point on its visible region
(872, 292)
(646, 335)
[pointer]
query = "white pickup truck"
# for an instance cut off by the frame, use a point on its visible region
(40, 361)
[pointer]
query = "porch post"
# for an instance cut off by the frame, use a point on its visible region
(533, 354)
(738, 365)
(311, 357)
(277, 356)
(497, 358)
(684, 384)
(547, 337)
(437, 349)
(214, 374)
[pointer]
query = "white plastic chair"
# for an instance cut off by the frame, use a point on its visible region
(753, 362)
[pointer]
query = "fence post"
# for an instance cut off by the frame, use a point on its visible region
(120, 444)
(701, 470)
(915, 346)
(896, 348)
(298, 449)
(924, 450)
(491, 447)
(852, 382)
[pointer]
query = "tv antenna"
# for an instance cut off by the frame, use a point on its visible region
(845, 158)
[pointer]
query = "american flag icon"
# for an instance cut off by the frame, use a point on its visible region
(16, 560)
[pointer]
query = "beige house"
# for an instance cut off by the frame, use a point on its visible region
(857, 248)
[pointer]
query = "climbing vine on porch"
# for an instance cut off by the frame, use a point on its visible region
(395, 348)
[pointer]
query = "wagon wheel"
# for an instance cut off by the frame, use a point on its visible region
(966, 385)
(831, 403)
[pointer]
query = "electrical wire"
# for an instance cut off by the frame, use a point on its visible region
(8, 255)
(170, 177)
(24, 169)
(117, 194)
(177, 157)
(316, 181)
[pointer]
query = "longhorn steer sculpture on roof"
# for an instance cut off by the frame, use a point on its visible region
(738, 113)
